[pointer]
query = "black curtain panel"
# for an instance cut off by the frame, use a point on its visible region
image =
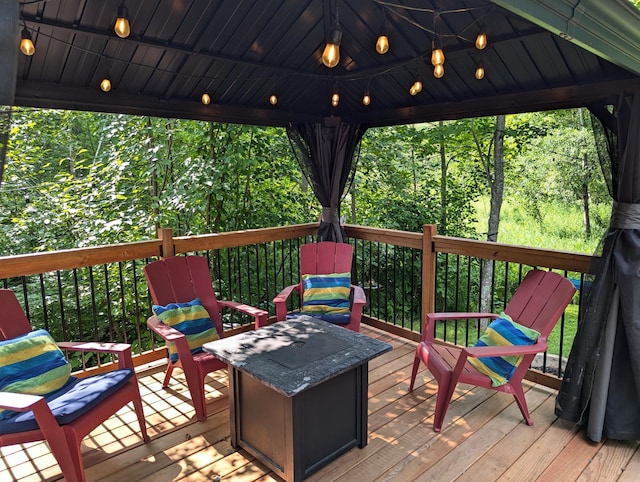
(601, 384)
(327, 155)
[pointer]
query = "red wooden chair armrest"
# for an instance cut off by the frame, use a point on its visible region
(515, 350)
(19, 402)
(281, 301)
(171, 335)
(359, 298)
(123, 350)
(428, 330)
(259, 315)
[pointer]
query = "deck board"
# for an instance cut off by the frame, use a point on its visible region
(483, 438)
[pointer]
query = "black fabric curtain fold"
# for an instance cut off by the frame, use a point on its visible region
(326, 157)
(601, 383)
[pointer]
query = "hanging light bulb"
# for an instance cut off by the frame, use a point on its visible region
(335, 99)
(26, 44)
(382, 45)
(105, 85)
(437, 56)
(121, 26)
(331, 54)
(480, 71)
(416, 88)
(438, 71)
(273, 100)
(366, 100)
(481, 41)
(206, 99)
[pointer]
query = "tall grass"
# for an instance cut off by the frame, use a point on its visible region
(559, 227)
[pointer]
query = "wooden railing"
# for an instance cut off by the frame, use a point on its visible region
(100, 293)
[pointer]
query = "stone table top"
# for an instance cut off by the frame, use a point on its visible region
(294, 355)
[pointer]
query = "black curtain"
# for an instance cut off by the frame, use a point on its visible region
(9, 48)
(326, 157)
(601, 384)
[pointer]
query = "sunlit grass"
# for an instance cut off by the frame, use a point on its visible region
(560, 227)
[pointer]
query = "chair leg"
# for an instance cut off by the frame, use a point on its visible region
(518, 394)
(137, 406)
(69, 457)
(414, 372)
(195, 382)
(167, 375)
(443, 398)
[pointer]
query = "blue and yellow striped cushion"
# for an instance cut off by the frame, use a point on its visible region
(190, 318)
(503, 331)
(327, 296)
(32, 364)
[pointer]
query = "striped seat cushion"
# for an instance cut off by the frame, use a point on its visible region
(502, 331)
(327, 297)
(190, 318)
(32, 364)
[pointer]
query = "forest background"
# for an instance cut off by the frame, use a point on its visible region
(75, 179)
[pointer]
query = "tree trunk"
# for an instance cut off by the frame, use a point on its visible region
(586, 215)
(495, 179)
(443, 183)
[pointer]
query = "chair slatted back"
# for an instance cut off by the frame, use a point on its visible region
(325, 257)
(540, 300)
(13, 321)
(180, 279)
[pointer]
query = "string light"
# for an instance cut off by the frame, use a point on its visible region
(105, 85)
(335, 99)
(480, 71)
(122, 27)
(382, 45)
(416, 88)
(366, 100)
(481, 41)
(206, 99)
(331, 53)
(438, 71)
(273, 100)
(26, 44)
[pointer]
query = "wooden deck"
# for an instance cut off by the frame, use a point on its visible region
(484, 438)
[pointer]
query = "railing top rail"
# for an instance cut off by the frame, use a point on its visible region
(517, 254)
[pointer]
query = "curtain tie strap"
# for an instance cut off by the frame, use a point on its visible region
(625, 216)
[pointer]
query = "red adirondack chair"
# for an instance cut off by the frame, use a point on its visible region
(68, 416)
(538, 303)
(325, 257)
(180, 279)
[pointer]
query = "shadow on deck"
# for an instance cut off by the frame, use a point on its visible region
(483, 439)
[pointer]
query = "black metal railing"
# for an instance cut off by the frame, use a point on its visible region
(108, 300)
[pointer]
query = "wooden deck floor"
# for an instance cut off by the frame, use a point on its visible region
(484, 438)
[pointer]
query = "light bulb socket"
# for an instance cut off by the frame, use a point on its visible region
(335, 36)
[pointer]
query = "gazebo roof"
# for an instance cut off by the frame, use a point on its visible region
(541, 54)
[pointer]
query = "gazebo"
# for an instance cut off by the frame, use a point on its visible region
(269, 63)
